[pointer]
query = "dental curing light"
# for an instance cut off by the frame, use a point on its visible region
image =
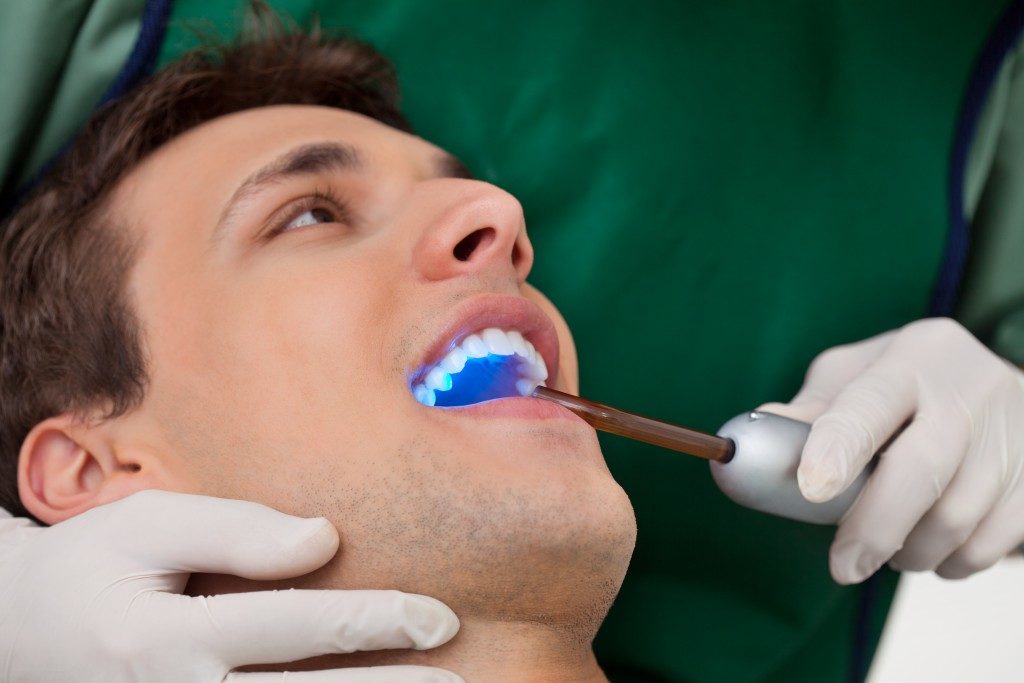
(753, 458)
(633, 426)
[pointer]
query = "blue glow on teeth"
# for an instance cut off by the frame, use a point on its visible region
(438, 379)
(481, 379)
(424, 395)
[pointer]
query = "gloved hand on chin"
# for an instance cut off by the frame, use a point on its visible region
(98, 598)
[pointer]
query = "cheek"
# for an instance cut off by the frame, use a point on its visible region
(276, 374)
(312, 341)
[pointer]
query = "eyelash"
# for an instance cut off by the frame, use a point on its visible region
(322, 198)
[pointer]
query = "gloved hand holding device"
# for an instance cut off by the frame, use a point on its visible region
(947, 493)
(98, 598)
(916, 451)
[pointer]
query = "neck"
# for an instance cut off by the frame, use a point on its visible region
(504, 652)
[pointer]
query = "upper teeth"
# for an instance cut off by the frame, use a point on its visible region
(532, 368)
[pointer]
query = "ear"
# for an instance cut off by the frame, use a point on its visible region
(67, 466)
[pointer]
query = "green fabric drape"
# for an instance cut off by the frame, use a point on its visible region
(56, 60)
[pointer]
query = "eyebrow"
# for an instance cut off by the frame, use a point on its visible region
(317, 157)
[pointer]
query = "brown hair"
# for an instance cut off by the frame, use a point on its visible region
(69, 341)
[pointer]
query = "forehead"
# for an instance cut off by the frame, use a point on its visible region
(210, 160)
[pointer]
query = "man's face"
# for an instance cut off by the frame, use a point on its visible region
(286, 323)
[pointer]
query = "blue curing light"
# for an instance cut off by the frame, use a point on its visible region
(482, 379)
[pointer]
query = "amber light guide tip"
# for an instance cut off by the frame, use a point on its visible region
(623, 423)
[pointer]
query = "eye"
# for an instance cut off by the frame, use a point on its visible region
(320, 208)
(312, 217)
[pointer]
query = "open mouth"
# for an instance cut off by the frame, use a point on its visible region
(487, 365)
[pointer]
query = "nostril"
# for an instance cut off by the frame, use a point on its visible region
(472, 242)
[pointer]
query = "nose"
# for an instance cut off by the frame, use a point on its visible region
(479, 229)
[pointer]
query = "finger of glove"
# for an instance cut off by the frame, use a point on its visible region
(807, 411)
(16, 530)
(828, 374)
(377, 674)
(283, 626)
(169, 531)
(969, 498)
(909, 478)
(995, 537)
(860, 419)
(16, 533)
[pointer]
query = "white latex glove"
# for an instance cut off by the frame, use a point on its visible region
(98, 598)
(947, 493)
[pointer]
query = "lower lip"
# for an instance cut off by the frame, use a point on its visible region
(519, 407)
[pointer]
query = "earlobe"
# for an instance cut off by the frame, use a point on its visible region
(66, 467)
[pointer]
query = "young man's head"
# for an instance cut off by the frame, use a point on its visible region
(232, 285)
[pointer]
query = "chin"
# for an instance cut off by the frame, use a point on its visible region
(587, 555)
(553, 452)
(550, 485)
(577, 536)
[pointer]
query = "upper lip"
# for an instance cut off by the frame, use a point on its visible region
(494, 310)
